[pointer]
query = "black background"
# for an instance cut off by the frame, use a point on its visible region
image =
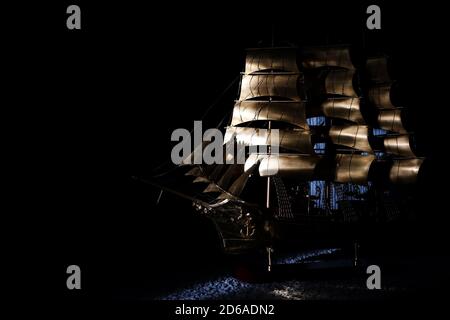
(97, 106)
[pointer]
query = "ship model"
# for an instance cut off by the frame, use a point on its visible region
(346, 159)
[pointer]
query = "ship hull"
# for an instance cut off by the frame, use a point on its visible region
(302, 232)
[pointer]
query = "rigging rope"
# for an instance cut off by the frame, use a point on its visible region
(284, 205)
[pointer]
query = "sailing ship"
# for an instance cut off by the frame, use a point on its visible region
(347, 159)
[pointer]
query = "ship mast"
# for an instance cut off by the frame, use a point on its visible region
(269, 150)
(269, 127)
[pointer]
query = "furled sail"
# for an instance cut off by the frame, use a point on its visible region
(284, 86)
(318, 57)
(286, 111)
(353, 168)
(271, 60)
(343, 108)
(352, 136)
(405, 171)
(297, 139)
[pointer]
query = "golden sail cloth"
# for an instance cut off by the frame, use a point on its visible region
(399, 145)
(405, 171)
(285, 111)
(331, 83)
(331, 56)
(353, 168)
(297, 139)
(296, 166)
(380, 96)
(263, 86)
(392, 120)
(271, 60)
(340, 82)
(352, 136)
(343, 108)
